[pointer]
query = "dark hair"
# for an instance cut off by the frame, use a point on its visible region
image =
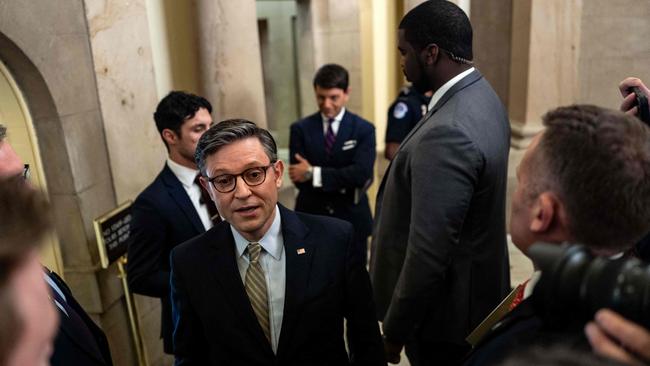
(177, 107)
(598, 162)
(3, 132)
(442, 23)
(25, 219)
(226, 132)
(331, 76)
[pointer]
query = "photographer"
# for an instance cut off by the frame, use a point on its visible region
(585, 179)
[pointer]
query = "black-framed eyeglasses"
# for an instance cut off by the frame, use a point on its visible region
(226, 183)
(26, 172)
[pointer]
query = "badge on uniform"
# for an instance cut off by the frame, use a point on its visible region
(301, 251)
(400, 110)
(350, 144)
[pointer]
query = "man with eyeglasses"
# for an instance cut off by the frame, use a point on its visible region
(79, 340)
(268, 286)
(173, 208)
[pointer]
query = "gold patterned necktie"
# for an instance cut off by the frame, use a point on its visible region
(255, 285)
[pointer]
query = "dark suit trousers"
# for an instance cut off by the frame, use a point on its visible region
(423, 353)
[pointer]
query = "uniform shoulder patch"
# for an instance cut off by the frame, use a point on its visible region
(400, 110)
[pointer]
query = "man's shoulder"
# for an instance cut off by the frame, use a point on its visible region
(364, 123)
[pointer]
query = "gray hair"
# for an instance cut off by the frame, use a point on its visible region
(229, 131)
(3, 132)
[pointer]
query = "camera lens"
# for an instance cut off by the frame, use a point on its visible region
(575, 284)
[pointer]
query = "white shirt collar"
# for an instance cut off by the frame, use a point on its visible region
(337, 118)
(446, 86)
(271, 241)
(183, 173)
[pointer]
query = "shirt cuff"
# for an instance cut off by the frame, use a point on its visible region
(316, 179)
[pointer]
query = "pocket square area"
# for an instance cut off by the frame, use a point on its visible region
(349, 144)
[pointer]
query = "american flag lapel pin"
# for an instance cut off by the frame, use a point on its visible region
(300, 251)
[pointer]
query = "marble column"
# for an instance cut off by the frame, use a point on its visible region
(543, 64)
(230, 60)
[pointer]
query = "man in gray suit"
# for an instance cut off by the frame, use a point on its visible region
(440, 262)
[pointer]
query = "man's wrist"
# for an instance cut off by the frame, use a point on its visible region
(309, 173)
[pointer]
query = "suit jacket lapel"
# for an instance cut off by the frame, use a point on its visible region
(178, 193)
(227, 274)
(299, 254)
(66, 326)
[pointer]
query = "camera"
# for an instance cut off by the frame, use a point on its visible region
(575, 284)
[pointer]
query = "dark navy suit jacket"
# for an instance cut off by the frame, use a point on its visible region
(325, 283)
(347, 172)
(163, 217)
(72, 347)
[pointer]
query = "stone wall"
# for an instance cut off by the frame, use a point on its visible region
(45, 45)
(613, 45)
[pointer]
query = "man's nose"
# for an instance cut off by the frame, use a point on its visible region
(241, 188)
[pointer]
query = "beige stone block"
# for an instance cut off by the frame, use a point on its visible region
(85, 288)
(320, 16)
(150, 330)
(41, 18)
(146, 304)
(612, 36)
(127, 91)
(66, 64)
(599, 80)
(70, 230)
(348, 56)
(110, 285)
(54, 156)
(86, 148)
(617, 8)
(343, 16)
(95, 201)
(116, 326)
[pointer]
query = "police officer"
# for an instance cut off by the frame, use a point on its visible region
(405, 112)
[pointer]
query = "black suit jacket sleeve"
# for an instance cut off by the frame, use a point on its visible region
(446, 156)
(366, 347)
(146, 276)
(360, 171)
(190, 344)
(297, 146)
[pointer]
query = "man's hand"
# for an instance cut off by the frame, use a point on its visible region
(615, 337)
(392, 351)
(298, 172)
(629, 98)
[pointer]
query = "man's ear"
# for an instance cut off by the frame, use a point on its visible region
(206, 185)
(169, 136)
(431, 53)
(549, 216)
(279, 170)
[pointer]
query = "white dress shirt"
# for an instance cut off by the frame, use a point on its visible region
(186, 176)
(273, 262)
(446, 86)
(317, 180)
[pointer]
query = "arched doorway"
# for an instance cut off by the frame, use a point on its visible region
(15, 115)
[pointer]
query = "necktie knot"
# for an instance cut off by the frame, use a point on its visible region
(254, 250)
